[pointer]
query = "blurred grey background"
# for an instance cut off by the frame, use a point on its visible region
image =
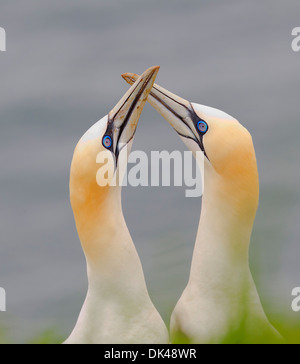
(61, 73)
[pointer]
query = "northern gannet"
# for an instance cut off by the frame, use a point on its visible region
(117, 308)
(220, 303)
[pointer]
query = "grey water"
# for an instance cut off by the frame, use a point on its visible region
(61, 73)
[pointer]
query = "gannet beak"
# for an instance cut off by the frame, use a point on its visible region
(178, 112)
(124, 117)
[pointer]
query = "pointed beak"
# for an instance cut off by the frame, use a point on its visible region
(124, 117)
(178, 112)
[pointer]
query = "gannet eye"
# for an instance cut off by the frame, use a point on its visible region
(202, 126)
(107, 141)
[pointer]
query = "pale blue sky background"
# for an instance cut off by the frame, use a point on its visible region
(61, 73)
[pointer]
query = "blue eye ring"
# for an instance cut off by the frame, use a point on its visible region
(202, 126)
(107, 142)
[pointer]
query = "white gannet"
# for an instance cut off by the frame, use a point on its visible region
(220, 303)
(117, 308)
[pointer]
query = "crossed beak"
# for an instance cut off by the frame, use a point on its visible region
(178, 112)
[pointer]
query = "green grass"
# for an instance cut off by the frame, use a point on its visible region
(288, 327)
(49, 336)
(289, 331)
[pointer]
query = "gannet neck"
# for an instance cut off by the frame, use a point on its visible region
(221, 300)
(222, 243)
(117, 308)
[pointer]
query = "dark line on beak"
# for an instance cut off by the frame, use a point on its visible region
(170, 109)
(129, 113)
(200, 143)
(117, 113)
(169, 97)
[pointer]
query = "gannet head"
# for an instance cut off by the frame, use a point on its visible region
(99, 159)
(229, 162)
